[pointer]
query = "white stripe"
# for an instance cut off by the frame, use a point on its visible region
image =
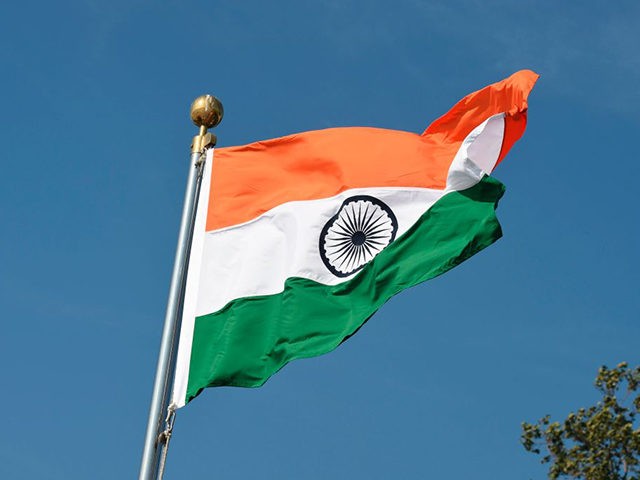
(191, 289)
(256, 257)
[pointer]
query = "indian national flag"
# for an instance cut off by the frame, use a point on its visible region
(299, 240)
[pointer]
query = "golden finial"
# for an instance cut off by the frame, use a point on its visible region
(206, 112)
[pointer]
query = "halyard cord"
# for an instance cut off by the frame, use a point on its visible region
(165, 437)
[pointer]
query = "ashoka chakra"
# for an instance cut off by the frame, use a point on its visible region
(359, 231)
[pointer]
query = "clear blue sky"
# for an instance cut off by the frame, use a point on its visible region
(95, 141)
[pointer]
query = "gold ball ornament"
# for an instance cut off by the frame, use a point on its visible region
(206, 111)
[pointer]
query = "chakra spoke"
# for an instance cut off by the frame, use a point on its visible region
(343, 232)
(339, 241)
(375, 242)
(342, 248)
(358, 254)
(366, 246)
(346, 257)
(352, 218)
(345, 251)
(344, 224)
(373, 234)
(366, 219)
(378, 237)
(334, 250)
(369, 219)
(375, 223)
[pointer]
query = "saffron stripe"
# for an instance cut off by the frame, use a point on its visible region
(252, 179)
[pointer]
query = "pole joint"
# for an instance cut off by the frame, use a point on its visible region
(202, 142)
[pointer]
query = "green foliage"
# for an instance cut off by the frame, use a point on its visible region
(601, 442)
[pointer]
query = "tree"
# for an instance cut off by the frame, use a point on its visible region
(601, 442)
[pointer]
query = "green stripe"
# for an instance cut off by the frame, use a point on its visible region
(252, 338)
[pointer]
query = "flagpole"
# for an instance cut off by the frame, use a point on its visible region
(206, 112)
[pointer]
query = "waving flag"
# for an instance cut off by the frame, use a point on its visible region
(299, 240)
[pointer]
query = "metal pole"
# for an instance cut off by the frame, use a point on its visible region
(206, 112)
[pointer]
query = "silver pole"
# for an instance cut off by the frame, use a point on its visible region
(206, 112)
(160, 396)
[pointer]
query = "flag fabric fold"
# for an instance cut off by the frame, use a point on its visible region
(299, 240)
